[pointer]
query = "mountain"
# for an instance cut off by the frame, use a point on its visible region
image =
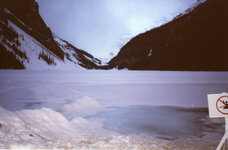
(27, 43)
(78, 56)
(194, 41)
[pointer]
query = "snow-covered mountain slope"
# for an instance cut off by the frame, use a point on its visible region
(24, 45)
(193, 41)
(32, 54)
(77, 56)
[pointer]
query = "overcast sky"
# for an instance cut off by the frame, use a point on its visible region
(103, 26)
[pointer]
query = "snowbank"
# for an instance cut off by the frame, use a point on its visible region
(46, 128)
(81, 104)
(81, 107)
(43, 128)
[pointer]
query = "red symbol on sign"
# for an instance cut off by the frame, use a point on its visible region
(222, 105)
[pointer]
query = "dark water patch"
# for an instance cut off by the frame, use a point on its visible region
(165, 122)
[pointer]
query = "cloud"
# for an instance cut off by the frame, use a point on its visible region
(98, 26)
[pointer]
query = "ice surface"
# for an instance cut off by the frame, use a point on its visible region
(160, 121)
(50, 109)
(53, 89)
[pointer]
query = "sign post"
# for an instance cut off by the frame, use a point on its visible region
(218, 107)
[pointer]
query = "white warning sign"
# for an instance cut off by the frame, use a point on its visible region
(218, 105)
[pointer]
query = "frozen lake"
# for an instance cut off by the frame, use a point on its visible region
(164, 122)
(123, 105)
(29, 89)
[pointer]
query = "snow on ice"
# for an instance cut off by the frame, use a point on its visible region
(54, 109)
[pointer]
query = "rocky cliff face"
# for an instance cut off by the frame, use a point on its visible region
(27, 43)
(194, 41)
